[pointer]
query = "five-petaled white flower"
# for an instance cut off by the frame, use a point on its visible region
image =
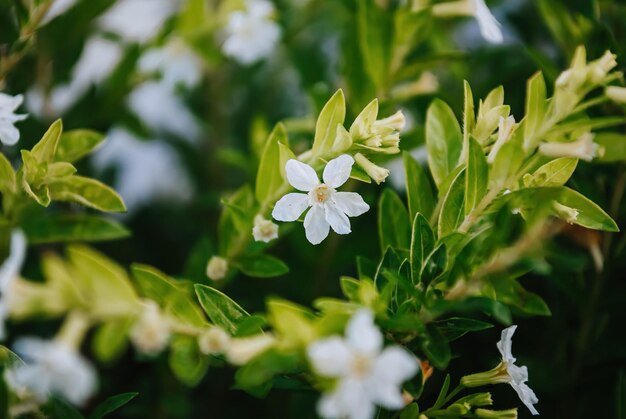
(51, 366)
(329, 208)
(251, 34)
(264, 230)
(518, 375)
(151, 332)
(367, 375)
(9, 135)
(9, 270)
(490, 28)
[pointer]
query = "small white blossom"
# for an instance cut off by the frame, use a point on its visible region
(175, 62)
(264, 230)
(9, 270)
(329, 208)
(251, 34)
(616, 94)
(51, 366)
(584, 148)
(241, 350)
(517, 375)
(367, 375)
(9, 135)
(151, 332)
(214, 341)
(137, 20)
(490, 28)
(217, 268)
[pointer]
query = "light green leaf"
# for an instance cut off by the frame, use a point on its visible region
(590, 215)
(220, 309)
(59, 170)
(363, 122)
(110, 339)
(284, 155)
(419, 192)
(46, 148)
(422, 244)
(75, 144)
(613, 145)
(443, 140)
(186, 361)
(7, 176)
(88, 192)
(554, 173)
(508, 162)
(453, 208)
(477, 175)
(394, 227)
(333, 113)
(260, 266)
(535, 110)
(268, 177)
(469, 118)
(72, 227)
(375, 38)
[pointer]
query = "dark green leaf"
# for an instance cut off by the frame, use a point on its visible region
(260, 266)
(111, 404)
(419, 193)
(422, 243)
(222, 311)
(394, 227)
(72, 227)
(443, 140)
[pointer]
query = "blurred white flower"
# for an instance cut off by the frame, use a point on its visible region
(9, 135)
(216, 268)
(158, 106)
(251, 34)
(151, 332)
(490, 28)
(367, 375)
(51, 367)
(584, 148)
(146, 170)
(9, 270)
(214, 341)
(137, 20)
(241, 350)
(329, 208)
(175, 62)
(264, 230)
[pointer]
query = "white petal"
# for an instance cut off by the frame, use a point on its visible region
(489, 27)
(395, 365)
(13, 264)
(527, 396)
(330, 357)
(9, 135)
(505, 343)
(350, 203)
(362, 334)
(337, 171)
(386, 394)
(337, 219)
(348, 400)
(290, 207)
(315, 225)
(301, 176)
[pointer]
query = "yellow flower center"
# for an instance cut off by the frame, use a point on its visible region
(361, 366)
(321, 193)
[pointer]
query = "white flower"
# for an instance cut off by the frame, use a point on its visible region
(51, 367)
(9, 135)
(329, 208)
(251, 34)
(377, 173)
(151, 332)
(584, 148)
(176, 63)
(214, 341)
(264, 230)
(490, 28)
(217, 268)
(137, 161)
(9, 270)
(616, 94)
(505, 128)
(517, 375)
(367, 375)
(241, 350)
(137, 20)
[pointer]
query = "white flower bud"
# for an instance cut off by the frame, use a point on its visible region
(600, 67)
(584, 148)
(151, 332)
(566, 213)
(394, 122)
(616, 94)
(242, 350)
(264, 230)
(505, 129)
(214, 341)
(217, 268)
(377, 173)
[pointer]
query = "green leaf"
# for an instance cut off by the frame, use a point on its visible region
(110, 339)
(443, 140)
(590, 215)
(60, 409)
(222, 311)
(268, 177)
(186, 361)
(375, 38)
(535, 110)
(436, 348)
(237, 215)
(394, 227)
(453, 208)
(75, 144)
(364, 120)
(434, 265)
(422, 243)
(333, 113)
(614, 145)
(508, 161)
(350, 288)
(554, 173)
(46, 148)
(260, 266)
(419, 192)
(88, 192)
(7, 175)
(455, 327)
(255, 377)
(412, 411)
(284, 155)
(111, 404)
(469, 117)
(510, 292)
(56, 228)
(477, 175)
